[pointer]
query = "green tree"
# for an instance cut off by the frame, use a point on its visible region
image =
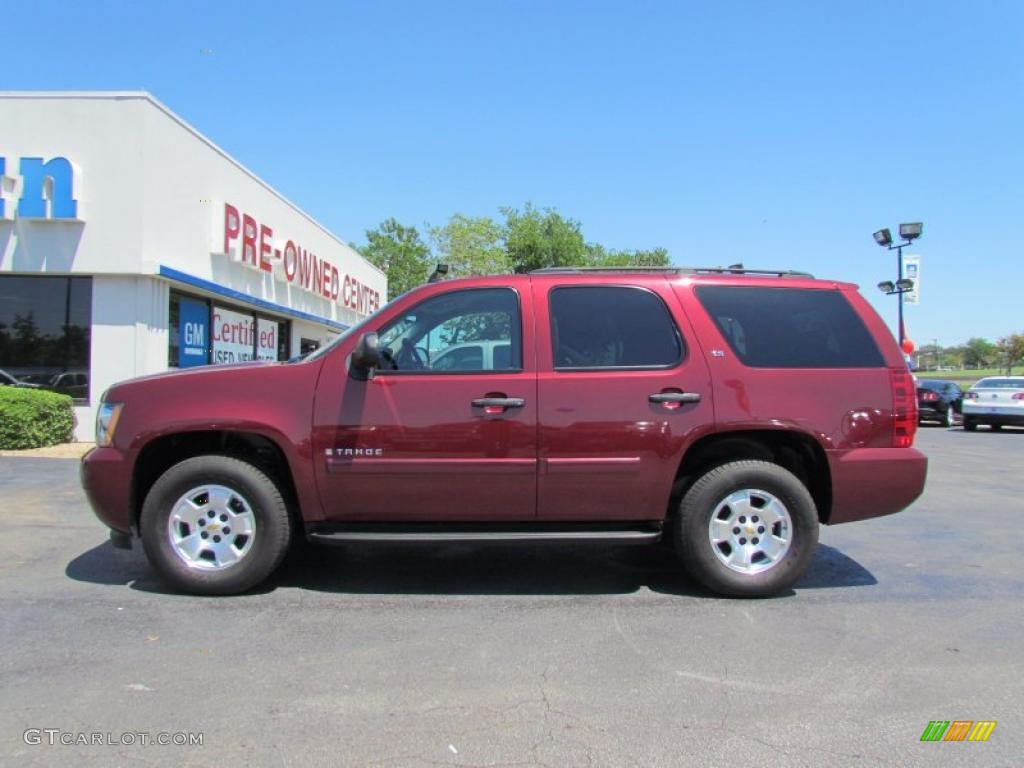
(953, 356)
(599, 256)
(471, 246)
(400, 252)
(542, 238)
(1010, 351)
(978, 352)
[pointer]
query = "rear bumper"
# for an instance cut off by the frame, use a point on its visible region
(106, 479)
(931, 412)
(994, 415)
(872, 482)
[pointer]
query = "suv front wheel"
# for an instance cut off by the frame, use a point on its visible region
(747, 529)
(214, 525)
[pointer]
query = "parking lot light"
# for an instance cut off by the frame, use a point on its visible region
(909, 231)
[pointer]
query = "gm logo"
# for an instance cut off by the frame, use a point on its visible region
(43, 189)
(958, 730)
(195, 334)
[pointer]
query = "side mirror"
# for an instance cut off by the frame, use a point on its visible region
(365, 357)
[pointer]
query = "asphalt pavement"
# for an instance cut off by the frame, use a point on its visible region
(510, 655)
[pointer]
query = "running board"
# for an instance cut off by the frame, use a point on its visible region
(455, 532)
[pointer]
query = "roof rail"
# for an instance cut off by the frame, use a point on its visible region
(673, 270)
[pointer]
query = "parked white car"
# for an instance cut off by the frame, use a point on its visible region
(474, 356)
(7, 380)
(997, 401)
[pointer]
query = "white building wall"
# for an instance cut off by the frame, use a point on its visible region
(151, 193)
(186, 185)
(129, 336)
(102, 137)
(303, 330)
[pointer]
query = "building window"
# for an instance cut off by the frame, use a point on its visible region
(202, 332)
(45, 325)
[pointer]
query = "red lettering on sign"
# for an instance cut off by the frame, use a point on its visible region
(316, 272)
(294, 264)
(334, 283)
(249, 239)
(290, 261)
(266, 236)
(231, 224)
(304, 271)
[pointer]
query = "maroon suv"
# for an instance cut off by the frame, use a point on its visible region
(728, 412)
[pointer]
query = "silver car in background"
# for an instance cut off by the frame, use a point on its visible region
(997, 401)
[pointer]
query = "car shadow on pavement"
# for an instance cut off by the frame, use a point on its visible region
(468, 569)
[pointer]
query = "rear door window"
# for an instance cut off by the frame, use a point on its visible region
(603, 327)
(790, 327)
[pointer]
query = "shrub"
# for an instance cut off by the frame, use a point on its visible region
(33, 418)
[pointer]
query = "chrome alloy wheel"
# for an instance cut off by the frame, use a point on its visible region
(750, 531)
(211, 527)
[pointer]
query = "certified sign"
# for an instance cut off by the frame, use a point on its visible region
(267, 334)
(234, 336)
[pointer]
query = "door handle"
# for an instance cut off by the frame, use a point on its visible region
(670, 399)
(498, 402)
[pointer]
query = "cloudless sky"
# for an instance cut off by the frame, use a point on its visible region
(777, 134)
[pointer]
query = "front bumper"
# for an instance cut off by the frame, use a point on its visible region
(872, 482)
(106, 479)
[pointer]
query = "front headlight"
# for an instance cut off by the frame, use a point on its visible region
(106, 422)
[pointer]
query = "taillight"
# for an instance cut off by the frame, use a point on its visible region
(929, 397)
(970, 395)
(904, 407)
(1018, 396)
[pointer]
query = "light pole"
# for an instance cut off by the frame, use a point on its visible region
(909, 233)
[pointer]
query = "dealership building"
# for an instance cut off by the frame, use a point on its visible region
(131, 244)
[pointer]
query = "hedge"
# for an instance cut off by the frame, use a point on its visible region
(33, 418)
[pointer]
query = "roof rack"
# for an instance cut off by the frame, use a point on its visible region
(673, 270)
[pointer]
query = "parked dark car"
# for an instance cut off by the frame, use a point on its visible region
(939, 400)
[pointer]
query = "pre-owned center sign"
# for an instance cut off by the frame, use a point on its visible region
(253, 244)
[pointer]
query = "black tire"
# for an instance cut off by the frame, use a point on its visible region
(969, 424)
(697, 552)
(950, 418)
(272, 525)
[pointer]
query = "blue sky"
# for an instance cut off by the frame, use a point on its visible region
(776, 134)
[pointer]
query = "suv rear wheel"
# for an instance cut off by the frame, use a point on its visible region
(214, 525)
(747, 529)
